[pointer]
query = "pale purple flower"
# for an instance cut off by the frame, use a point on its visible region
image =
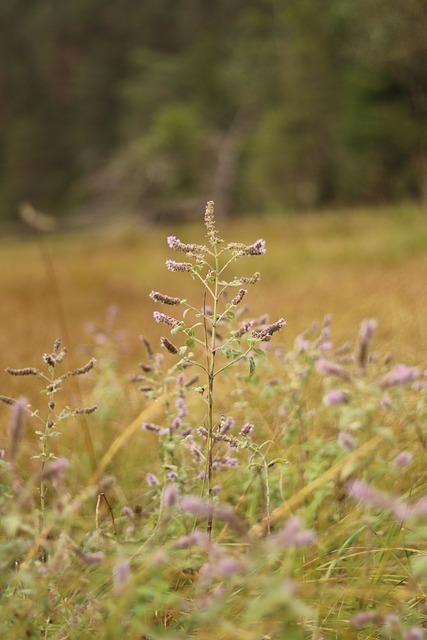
(365, 618)
(92, 559)
(196, 506)
(346, 441)
(293, 534)
(195, 539)
(172, 476)
(401, 374)
(128, 511)
(172, 265)
(225, 424)
(329, 368)
(170, 496)
(385, 401)
(55, 468)
(414, 633)
(246, 429)
(121, 575)
(335, 397)
(181, 407)
(302, 344)
(152, 480)
(403, 459)
(230, 462)
(160, 317)
(370, 496)
(265, 334)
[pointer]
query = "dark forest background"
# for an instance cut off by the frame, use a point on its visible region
(154, 106)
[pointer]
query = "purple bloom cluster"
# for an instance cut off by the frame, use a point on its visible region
(401, 374)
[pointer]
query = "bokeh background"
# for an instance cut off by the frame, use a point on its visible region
(305, 121)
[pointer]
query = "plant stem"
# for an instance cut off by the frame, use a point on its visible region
(211, 378)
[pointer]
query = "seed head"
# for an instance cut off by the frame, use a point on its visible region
(239, 297)
(167, 344)
(26, 371)
(161, 297)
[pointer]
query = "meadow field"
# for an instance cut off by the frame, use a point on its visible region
(316, 520)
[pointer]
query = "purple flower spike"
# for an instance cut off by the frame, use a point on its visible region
(400, 374)
(403, 459)
(335, 397)
(152, 480)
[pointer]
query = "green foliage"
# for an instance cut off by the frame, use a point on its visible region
(276, 104)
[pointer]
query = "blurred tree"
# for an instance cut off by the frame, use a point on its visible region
(260, 104)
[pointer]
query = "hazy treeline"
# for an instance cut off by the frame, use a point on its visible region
(155, 105)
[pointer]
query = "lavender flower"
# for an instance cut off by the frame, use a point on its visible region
(365, 618)
(293, 535)
(225, 424)
(196, 506)
(176, 244)
(178, 266)
(162, 317)
(370, 496)
(400, 374)
(170, 496)
(346, 441)
(152, 480)
(244, 328)
(246, 429)
(121, 575)
(161, 297)
(335, 397)
(55, 468)
(181, 407)
(329, 368)
(403, 459)
(414, 633)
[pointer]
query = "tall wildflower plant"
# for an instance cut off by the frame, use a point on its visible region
(212, 341)
(52, 381)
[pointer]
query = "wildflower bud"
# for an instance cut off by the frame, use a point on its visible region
(167, 344)
(225, 424)
(239, 297)
(147, 346)
(50, 424)
(265, 334)
(86, 410)
(247, 429)
(244, 328)
(51, 405)
(149, 426)
(414, 633)
(80, 371)
(152, 480)
(181, 407)
(7, 400)
(49, 359)
(365, 618)
(210, 224)
(292, 534)
(27, 371)
(178, 266)
(161, 297)
(256, 277)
